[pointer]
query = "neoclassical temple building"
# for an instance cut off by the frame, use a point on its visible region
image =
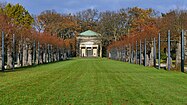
(89, 44)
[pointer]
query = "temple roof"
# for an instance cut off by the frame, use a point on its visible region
(89, 33)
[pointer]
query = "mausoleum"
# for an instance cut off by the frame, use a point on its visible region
(89, 44)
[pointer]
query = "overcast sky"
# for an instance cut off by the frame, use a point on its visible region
(72, 6)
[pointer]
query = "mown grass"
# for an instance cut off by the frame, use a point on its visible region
(92, 81)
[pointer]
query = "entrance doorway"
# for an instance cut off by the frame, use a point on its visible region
(89, 52)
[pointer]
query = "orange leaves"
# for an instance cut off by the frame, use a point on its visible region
(70, 43)
(5, 24)
(142, 25)
(126, 40)
(56, 23)
(67, 43)
(29, 34)
(45, 38)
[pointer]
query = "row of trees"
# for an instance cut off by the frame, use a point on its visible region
(23, 45)
(144, 32)
(147, 23)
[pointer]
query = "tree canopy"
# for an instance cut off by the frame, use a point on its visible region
(20, 16)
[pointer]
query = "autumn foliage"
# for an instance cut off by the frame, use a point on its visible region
(28, 34)
(142, 26)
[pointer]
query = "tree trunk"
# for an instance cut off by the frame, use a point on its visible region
(18, 55)
(151, 63)
(29, 55)
(38, 60)
(25, 54)
(1, 59)
(37, 56)
(42, 56)
(44, 53)
(9, 57)
(51, 55)
(48, 53)
(178, 55)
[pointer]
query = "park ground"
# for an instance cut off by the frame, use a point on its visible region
(93, 81)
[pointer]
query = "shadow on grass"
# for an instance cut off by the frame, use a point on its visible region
(33, 66)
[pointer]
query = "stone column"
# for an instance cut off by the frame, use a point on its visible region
(79, 52)
(101, 50)
(92, 51)
(86, 53)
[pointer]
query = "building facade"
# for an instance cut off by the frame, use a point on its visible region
(89, 44)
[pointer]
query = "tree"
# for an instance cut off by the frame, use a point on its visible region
(87, 19)
(113, 24)
(19, 20)
(19, 15)
(38, 24)
(55, 23)
(140, 20)
(175, 20)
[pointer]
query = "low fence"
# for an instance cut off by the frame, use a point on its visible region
(163, 51)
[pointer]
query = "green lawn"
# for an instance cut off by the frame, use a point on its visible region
(92, 81)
